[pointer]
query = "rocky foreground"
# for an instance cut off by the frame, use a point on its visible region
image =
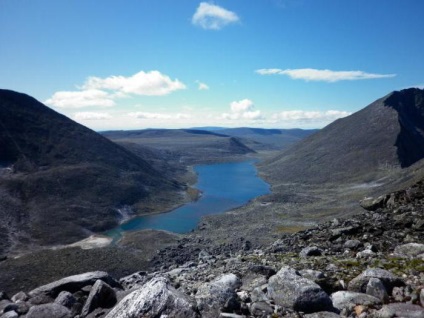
(371, 265)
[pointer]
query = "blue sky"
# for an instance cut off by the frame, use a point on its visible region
(136, 64)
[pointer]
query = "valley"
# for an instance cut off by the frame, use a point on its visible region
(54, 194)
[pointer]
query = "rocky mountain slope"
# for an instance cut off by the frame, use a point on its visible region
(369, 265)
(387, 134)
(59, 180)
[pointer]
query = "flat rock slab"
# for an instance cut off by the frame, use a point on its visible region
(72, 284)
(157, 298)
(288, 289)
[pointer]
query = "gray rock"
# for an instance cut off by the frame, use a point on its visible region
(65, 299)
(422, 297)
(400, 310)
(101, 295)
(48, 310)
(310, 251)
(134, 281)
(346, 299)
(157, 298)
(258, 295)
(359, 283)
(72, 284)
(312, 274)
(410, 250)
(353, 244)
(205, 257)
(4, 303)
(261, 308)
(372, 204)
(218, 295)
(10, 314)
(19, 296)
(288, 289)
(20, 307)
(322, 314)
(376, 288)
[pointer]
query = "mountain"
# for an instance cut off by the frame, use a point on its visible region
(59, 180)
(386, 135)
(189, 146)
(268, 139)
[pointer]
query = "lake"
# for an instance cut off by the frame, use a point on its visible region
(224, 186)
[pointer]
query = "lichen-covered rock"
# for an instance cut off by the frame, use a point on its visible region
(287, 288)
(218, 295)
(359, 283)
(157, 298)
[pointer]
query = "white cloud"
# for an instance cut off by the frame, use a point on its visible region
(158, 116)
(310, 74)
(92, 116)
(202, 86)
(151, 83)
(79, 99)
(213, 17)
(243, 109)
(102, 92)
(309, 116)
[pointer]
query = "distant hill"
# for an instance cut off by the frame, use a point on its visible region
(387, 134)
(268, 139)
(189, 146)
(60, 180)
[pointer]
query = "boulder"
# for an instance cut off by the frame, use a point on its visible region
(359, 283)
(49, 310)
(72, 284)
(157, 298)
(261, 309)
(372, 204)
(10, 314)
(218, 295)
(347, 299)
(403, 310)
(19, 296)
(410, 250)
(288, 289)
(376, 288)
(101, 295)
(65, 299)
(310, 251)
(353, 244)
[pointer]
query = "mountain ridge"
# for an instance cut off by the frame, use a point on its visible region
(357, 146)
(61, 181)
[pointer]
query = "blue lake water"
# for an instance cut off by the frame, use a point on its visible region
(224, 187)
